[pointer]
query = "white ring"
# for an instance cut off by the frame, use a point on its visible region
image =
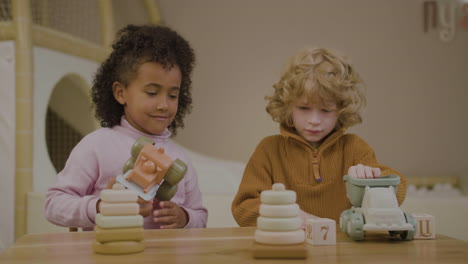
(279, 224)
(280, 238)
(118, 196)
(278, 187)
(279, 210)
(278, 197)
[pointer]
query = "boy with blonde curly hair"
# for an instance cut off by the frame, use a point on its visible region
(318, 97)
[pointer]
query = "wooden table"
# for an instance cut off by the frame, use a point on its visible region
(230, 245)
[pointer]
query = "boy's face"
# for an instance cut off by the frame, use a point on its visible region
(314, 120)
(151, 99)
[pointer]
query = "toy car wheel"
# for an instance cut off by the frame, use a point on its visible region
(344, 218)
(355, 225)
(166, 191)
(176, 172)
(139, 144)
(128, 164)
(409, 235)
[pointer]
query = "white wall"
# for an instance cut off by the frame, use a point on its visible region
(7, 143)
(49, 68)
(417, 85)
(71, 100)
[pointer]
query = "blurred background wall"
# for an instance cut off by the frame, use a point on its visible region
(417, 87)
(417, 84)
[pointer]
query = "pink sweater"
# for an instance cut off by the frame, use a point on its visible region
(71, 202)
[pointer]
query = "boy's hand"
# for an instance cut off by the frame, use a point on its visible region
(364, 172)
(170, 215)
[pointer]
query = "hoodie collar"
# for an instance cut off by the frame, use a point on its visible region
(290, 132)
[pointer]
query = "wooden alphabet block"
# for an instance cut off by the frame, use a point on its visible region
(425, 226)
(321, 231)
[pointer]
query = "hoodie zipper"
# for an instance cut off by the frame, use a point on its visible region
(315, 159)
(315, 166)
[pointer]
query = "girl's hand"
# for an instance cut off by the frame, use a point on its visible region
(364, 172)
(146, 207)
(110, 183)
(170, 215)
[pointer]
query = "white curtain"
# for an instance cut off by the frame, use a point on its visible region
(7, 143)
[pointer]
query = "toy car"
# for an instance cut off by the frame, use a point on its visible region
(150, 172)
(375, 207)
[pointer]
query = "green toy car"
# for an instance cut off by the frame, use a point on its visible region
(375, 207)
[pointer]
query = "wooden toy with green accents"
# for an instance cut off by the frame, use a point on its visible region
(150, 172)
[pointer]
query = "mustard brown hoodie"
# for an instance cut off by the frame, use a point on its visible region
(316, 175)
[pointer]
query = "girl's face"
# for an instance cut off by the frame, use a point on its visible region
(314, 120)
(151, 99)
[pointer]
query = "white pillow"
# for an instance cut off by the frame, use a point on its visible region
(216, 176)
(219, 210)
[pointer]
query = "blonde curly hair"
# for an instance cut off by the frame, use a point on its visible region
(321, 75)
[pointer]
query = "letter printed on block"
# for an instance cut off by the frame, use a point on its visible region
(425, 226)
(321, 231)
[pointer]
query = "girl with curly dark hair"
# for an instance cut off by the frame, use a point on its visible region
(142, 89)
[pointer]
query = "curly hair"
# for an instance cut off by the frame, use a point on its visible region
(135, 45)
(321, 75)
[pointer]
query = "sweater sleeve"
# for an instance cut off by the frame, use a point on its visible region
(69, 203)
(365, 155)
(256, 178)
(197, 214)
